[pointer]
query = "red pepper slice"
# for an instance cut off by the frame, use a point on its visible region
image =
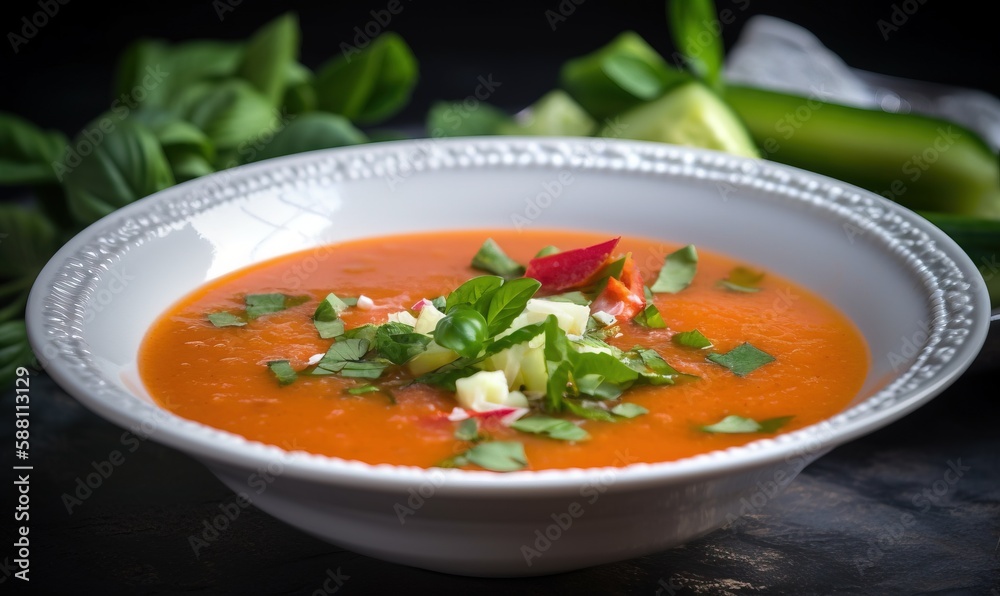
(572, 268)
(623, 297)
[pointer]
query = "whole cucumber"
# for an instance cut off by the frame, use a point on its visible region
(923, 163)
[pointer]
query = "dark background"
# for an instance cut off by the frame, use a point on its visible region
(835, 530)
(62, 76)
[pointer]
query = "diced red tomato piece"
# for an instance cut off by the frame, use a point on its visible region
(570, 269)
(623, 297)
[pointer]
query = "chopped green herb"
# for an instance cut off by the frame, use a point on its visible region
(496, 456)
(346, 357)
(588, 412)
(650, 317)
(554, 428)
(326, 319)
(628, 410)
(365, 369)
(363, 389)
(742, 279)
(226, 319)
(742, 360)
(366, 332)
(283, 371)
(397, 343)
(349, 300)
(692, 339)
(548, 250)
(595, 385)
(440, 303)
(492, 259)
(468, 430)
(261, 304)
(739, 425)
(678, 271)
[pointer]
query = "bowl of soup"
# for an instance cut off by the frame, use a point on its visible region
(508, 357)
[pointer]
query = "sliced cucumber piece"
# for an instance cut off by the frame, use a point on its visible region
(691, 115)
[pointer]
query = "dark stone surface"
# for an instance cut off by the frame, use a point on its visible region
(880, 515)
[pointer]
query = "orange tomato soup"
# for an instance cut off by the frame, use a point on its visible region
(219, 376)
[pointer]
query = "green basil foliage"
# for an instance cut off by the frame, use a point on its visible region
(180, 111)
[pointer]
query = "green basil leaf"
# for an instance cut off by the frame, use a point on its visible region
(498, 456)
(471, 291)
(651, 366)
(165, 72)
(518, 336)
(589, 413)
(226, 319)
(554, 428)
(363, 389)
(742, 360)
(468, 430)
(692, 339)
(740, 425)
(492, 259)
(607, 81)
(127, 165)
(188, 150)
(462, 330)
(341, 353)
(239, 121)
(612, 369)
(27, 240)
(326, 319)
(629, 410)
(368, 85)
(27, 152)
(696, 34)
(548, 250)
(637, 77)
(597, 386)
(742, 279)
(283, 371)
(366, 332)
(310, 132)
(446, 378)
(397, 343)
(650, 317)
(364, 369)
(678, 271)
(269, 54)
(258, 305)
(557, 364)
(440, 303)
(453, 119)
(508, 301)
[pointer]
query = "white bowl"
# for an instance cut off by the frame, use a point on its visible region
(916, 297)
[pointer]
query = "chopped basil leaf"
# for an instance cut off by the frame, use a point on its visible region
(440, 303)
(346, 357)
(492, 259)
(350, 300)
(742, 360)
(557, 365)
(612, 269)
(548, 250)
(363, 389)
(446, 378)
(283, 371)
(595, 385)
(496, 456)
(628, 410)
(589, 413)
(575, 297)
(507, 302)
(612, 369)
(661, 373)
(692, 339)
(554, 428)
(471, 291)
(398, 343)
(518, 336)
(366, 332)
(678, 271)
(650, 317)
(468, 430)
(742, 279)
(226, 319)
(326, 319)
(261, 304)
(739, 425)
